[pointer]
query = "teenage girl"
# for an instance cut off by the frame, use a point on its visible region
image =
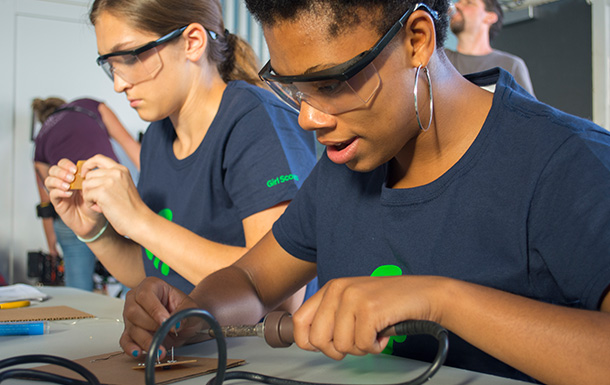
(219, 163)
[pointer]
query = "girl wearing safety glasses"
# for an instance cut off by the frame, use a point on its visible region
(435, 200)
(219, 163)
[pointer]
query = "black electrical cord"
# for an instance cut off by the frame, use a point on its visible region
(43, 376)
(403, 328)
(32, 374)
(411, 327)
(165, 328)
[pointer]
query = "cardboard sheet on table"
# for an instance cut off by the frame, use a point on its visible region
(45, 313)
(116, 368)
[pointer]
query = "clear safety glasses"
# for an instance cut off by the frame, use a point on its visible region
(340, 88)
(136, 65)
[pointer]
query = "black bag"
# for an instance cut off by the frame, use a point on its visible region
(47, 270)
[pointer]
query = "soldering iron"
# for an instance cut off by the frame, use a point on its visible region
(276, 328)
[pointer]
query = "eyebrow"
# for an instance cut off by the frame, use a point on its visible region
(319, 67)
(121, 47)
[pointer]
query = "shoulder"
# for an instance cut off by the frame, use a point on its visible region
(507, 57)
(527, 115)
(451, 54)
(87, 103)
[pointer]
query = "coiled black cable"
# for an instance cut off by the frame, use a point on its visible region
(44, 376)
(165, 328)
(403, 328)
(411, 327)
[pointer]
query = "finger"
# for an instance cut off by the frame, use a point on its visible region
(186, 328)
(138, 316)
(56, 195)
(322, 328)
(53, 183)
(153, 295)
(178, 300)
(355, 332)
(129, 346)
(102, 177)
(67, 165)
(97, 161)
(64, 171)
(344, 335)
(137, 342)
(303, 318)
(140, 325)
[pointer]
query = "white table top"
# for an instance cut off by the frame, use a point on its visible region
(87, 337)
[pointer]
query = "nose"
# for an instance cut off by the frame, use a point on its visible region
(312, 119)
(120, 85)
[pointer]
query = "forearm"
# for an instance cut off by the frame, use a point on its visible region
(264, 279)
(236, 303)
(120, 256)
(130, 146)
(188, 254)
(556, 345)
(117, 131)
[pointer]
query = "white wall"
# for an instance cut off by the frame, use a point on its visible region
(600, 25)
(48, 50)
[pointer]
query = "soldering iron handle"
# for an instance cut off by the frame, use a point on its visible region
(413, 327)
(278, 329)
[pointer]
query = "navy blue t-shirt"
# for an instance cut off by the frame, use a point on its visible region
(253, 157)
(526, 210)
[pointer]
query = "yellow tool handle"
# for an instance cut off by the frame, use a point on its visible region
(12, 305)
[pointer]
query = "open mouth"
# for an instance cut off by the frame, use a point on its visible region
(343, 145)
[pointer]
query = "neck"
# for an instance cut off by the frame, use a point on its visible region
(430, 154)
(475, 44)
(192, 121)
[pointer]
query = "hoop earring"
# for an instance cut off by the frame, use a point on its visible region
(415, 97)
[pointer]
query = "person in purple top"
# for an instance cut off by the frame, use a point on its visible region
(76, 130)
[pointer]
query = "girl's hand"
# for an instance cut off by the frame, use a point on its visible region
(109, 190)
(347, 314)
(73, 209)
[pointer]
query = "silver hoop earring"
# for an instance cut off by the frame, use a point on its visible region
(415, 97)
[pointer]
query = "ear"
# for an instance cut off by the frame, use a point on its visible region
(196, 41)
(420, 38)
(491, 18)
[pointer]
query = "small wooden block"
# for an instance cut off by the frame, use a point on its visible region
(77, 184)
(166, 365)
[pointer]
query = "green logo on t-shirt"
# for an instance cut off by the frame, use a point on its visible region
(281, 179)
(167, 214)
(389, 271)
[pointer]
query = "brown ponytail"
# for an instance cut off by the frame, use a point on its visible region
(234, 57)
(43, 108)
(241, 62)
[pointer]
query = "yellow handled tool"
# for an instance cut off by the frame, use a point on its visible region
(12, 305)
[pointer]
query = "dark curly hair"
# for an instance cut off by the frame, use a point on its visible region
(345, 12)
